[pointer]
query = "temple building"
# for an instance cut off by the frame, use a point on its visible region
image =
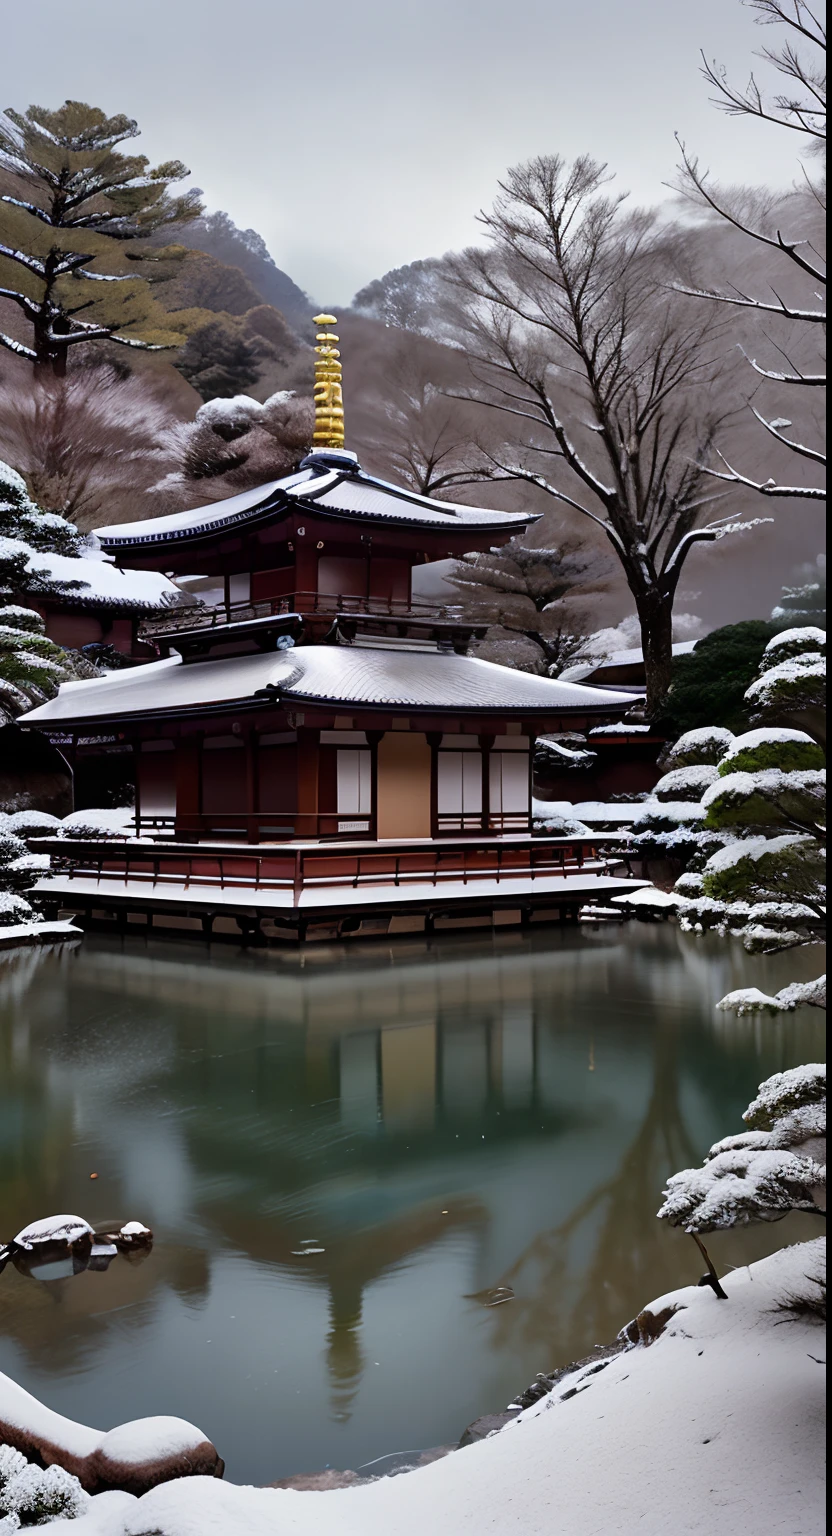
(311, 699)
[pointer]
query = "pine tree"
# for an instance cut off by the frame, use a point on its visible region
(776, 1166)
(75, 215)
(32, 667)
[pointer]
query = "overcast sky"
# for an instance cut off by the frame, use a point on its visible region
(358, 135)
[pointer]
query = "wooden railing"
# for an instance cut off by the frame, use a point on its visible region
(203, 617)
(270, 826)
(470, 862)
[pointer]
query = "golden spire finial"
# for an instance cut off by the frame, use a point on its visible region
(329, 399)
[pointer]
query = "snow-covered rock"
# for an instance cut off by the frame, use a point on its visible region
(54, 1229)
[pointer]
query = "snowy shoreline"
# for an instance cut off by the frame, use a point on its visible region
(714, 1424)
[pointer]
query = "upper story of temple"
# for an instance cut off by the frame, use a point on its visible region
(329, 538)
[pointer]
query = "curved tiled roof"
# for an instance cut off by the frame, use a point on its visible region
(360, 677)
(331, 484)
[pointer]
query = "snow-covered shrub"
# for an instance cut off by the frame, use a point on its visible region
(794, 642)
(11, 847)
(667, 815)
(699, 748)
(777, 1166)
(772, 747)
(14, 910)
(37, 1496)
(98, 824)
(790, 867)
(689, 884)
(790, 688)
(682, 784)
(30, 823)
(768, 798)
(19, 869)
(560, 824)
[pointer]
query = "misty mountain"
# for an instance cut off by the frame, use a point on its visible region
(217, 235)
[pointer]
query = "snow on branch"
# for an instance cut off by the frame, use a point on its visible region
(797, 994)
(765, 487)
(709, 534)
(17, 347)
(801, 448)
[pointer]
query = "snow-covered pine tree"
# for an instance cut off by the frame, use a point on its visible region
(672, 823)
(791, 687)
(776, 1166)
(534, 594)
(766, 803)
(72, 205)
(31, 666)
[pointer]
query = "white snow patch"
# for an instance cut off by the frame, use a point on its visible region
(717, 1427)
(650, 897)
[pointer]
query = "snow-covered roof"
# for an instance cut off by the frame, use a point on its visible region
(216, 515)
(103, 585)
(334, 486)
(342, 675)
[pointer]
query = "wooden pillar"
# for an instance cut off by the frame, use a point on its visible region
(529, 733)
(137, 761)
(252, 798)
(486, 744)
(187, 774)
(373, 739)
(434, 739)
(309, 746)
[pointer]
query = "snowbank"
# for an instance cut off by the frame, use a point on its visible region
(716, 1427)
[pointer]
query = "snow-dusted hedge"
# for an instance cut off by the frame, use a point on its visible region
(686, 783)
(794, 642)
(769, 798)
(799, 683)
(699, 748)
(772, 747)
(99, 824)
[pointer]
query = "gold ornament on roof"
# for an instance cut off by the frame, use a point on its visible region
(329, 399)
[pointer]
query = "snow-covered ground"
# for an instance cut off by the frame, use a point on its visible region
(716, 1429)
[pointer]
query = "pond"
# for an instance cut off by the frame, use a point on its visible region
(343, 1153)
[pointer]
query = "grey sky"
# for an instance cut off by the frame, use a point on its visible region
(360, 135)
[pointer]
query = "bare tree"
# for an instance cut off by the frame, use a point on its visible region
(88, 440)
(800, 60)
(567, 314)
(424, 434)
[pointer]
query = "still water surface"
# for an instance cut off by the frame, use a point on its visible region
(339, 1151)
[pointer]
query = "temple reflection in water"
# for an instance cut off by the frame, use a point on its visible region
(337, 1160)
